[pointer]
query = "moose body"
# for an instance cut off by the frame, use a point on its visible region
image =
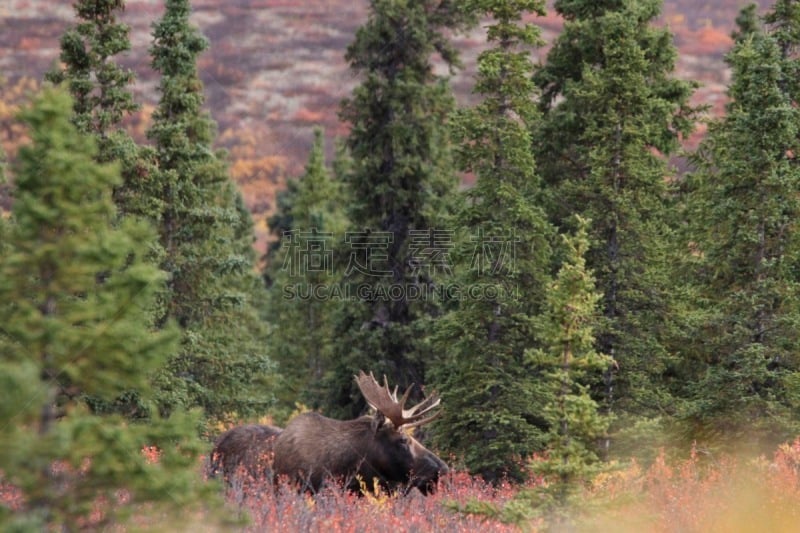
(370, 449)
(249, 448)
(314, 448)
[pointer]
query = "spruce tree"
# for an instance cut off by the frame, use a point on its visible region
(783, 21)
(401, 173)
(747, 22)
(568, 360)
(575, 425)
(206, 236)
(302, 297)
(744, 204)
(74, 299)
(492, 417)
(98, 85)
(101, 99)
(783, 25)
(613, 112)
(100, 89)
(279, 222)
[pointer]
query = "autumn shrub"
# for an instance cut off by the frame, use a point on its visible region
(700, 493)
(697, 494)
(726, 494)
(280, 507)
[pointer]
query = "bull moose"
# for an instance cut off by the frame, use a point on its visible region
(313, 448)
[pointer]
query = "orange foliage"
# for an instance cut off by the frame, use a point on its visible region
(29, 43)
(255, 168)
(698, 494)
(258, 175)
(307, 115)
(678, 19)
(707, 40)
(137, 124)
(13, 96)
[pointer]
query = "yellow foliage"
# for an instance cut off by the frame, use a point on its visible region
(376, 496)
(677, 19)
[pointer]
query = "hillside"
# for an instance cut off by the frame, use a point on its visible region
(275, 70)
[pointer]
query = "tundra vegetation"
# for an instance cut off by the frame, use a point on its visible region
(611, 325)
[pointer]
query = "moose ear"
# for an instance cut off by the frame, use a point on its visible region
(377, 421)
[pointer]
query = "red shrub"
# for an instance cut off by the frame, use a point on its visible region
(282, 508)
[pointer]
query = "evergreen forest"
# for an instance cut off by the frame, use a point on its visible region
(608, 312)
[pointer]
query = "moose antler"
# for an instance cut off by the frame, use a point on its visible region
(386, 402)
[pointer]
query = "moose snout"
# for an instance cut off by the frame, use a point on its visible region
(431, 467)
(428, 470)
(440, 467)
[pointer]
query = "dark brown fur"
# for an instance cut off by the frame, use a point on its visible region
(313, 448)
(246, 449)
